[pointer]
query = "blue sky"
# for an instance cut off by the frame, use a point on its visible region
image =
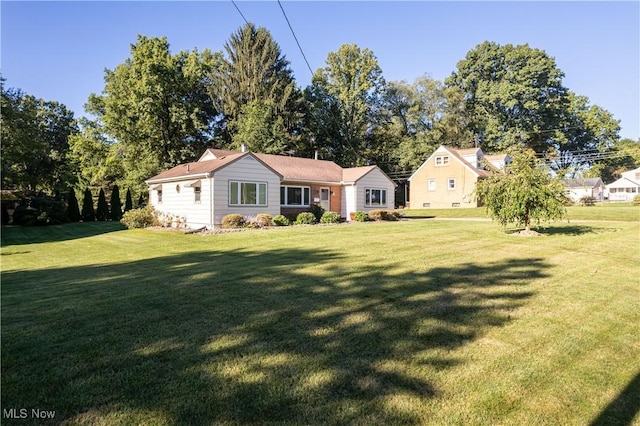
(59, 50)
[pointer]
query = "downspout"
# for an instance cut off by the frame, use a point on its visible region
(210, 199)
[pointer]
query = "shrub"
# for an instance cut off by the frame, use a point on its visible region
(588, 200)
(233, 220)
(636, 200)
(25, 215)
(317, 212)
(378, 215)
(264, 219)
(306, 218)
(330, 217)
(140, 218)
(280, 220)
(360, 217)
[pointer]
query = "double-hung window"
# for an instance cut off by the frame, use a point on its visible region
(247, 193)
(295, 195)
(432, 184)
(375, 197)
(451, 183)
(196, 194)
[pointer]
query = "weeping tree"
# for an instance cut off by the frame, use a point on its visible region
(523, 192)
(255, 91)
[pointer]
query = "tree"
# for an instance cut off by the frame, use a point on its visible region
(73, 210)
(102, 211)
(255, 90)
(116, 204)
(128, 203)
(622, 156)
(523, 192)
(88, 213)
(156, 106)
(349, 93)
(513, 95)
(34, 148)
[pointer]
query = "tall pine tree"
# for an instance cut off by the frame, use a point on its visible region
(73, 210)
(88, 212)
(102, 211)
(128, 202)
(116, 204)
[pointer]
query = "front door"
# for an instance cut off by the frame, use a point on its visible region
(325, 195)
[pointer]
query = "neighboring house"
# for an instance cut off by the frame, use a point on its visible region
(448, 178)
(625, 188)
(576, 189)
(222, 182)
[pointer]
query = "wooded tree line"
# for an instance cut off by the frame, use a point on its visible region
(159, 109)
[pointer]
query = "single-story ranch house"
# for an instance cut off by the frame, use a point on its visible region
(586, 187)
(223, 182)
(448, 177)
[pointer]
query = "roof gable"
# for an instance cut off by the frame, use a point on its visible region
(444, 150)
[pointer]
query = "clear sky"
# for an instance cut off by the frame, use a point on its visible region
(59, 50)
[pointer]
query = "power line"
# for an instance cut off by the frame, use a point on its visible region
(240, 12)
(294, 36)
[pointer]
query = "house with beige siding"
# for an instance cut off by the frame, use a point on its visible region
(448, 177)
(222, 182)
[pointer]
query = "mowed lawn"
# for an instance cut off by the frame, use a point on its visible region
(412, 322)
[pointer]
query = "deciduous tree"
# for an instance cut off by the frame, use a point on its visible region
(523, 192)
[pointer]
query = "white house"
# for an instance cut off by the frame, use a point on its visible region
(222, 182)
(625, 188)
(576, 189)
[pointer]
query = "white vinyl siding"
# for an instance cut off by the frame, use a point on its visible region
(245, 169)
(178, 201)
(375, 179)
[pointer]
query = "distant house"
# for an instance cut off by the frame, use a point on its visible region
(625, 188)
(222, 182)
(448, 177)
(576, 189)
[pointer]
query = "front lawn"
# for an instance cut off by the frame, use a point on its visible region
(411, 322)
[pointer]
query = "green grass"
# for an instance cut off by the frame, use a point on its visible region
(411, 322)
(603, 211)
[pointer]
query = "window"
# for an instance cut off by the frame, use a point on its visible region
(432, 184)
(159, 195)
(455, 204)
(295, 196)
(375, 197)
(196, 194)
(442, 160)
(247, 193)
(451, 183)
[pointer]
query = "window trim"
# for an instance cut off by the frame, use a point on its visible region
(197, 195)
(285, 202)
(431, 187)
(442, 160)
(449, 182)
(159, 195)
(259, 194)
(367, 197)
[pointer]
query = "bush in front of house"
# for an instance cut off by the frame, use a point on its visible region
(317, 212)
(140, 218)
(306, 218)
(636, 200)
(379, 215)
(330, 217)
(281, 220)
(588, 200)
(233, 221)
(360, 216)
(264, 219)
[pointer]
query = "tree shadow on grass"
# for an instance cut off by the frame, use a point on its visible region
(622, 410)
(13, 235)
(245, 336)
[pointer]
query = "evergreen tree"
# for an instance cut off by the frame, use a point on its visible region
(88, 213)
(102, 211)
(128, 203)
(73, 210)
(141, 203)
(116, 204)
